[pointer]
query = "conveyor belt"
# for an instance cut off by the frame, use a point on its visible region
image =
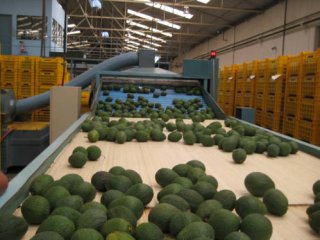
(294, 175)
(165, 101)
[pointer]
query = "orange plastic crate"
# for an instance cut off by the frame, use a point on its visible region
(42, 89)
(229, 97)
(26, 76)
(290, 126)
(50, 64)
(291, 105)
(308, 131)
(220, 96)
(260, 117)
(294, 66)
(9, 85)
(25, 90)
(293, 85)
(48, 78)
(278, 65)
(228, 109)
(42, 115)
(248, 99)
(239, 99)
(310, 63)
(310, 109)
(9, 62)
(241, 71)
(273, 103)
(27, 63)
(272, 121)
(310, 86)
(9, 75)
(275, 84)
(263, 68)
(261, 84)
(260, 101)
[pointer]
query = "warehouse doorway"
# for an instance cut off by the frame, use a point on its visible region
(5, 34)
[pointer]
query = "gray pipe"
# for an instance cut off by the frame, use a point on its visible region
(83, 80)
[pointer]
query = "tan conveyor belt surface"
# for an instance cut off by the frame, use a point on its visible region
(294, 175)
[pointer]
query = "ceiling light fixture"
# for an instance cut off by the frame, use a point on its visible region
(204, 1)
(72, 25)
(142, 40)
(152, 48)
(132, 42)
(95, 4)
(157, 20)
(78, 46)
(146, 35)
(73, 32)
(170, 10)
(76, 43)
(132, 23)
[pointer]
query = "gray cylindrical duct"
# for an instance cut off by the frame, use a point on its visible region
(83, 80)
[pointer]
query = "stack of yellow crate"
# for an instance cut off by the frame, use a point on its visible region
(292, 96)
(239, 86)
(260, 90)
(250, 74)
(274, 89)
(49, 73)
(26, 76)
(229, 87)
(221, 90)
(309, 112)
(9, 76)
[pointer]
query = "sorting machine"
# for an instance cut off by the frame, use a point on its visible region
(294, 175)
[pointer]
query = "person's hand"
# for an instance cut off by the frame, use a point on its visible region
(3, 183)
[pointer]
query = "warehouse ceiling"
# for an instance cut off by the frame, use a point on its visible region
(125, 25)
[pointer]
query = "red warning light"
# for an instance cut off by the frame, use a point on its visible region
(213, 54)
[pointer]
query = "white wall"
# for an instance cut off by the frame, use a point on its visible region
(31, 8)
(301, 38)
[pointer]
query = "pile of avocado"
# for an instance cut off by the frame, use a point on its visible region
(190, 207)
(313, 211)
(81, 155)
(140, 107)
(65, 208)
(241, 140)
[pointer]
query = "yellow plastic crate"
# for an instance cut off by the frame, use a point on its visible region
(273, 121)
(290, 126)
(308, 131)
(291, 105)
(27, 63)
(310, 86)
(9, 62)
